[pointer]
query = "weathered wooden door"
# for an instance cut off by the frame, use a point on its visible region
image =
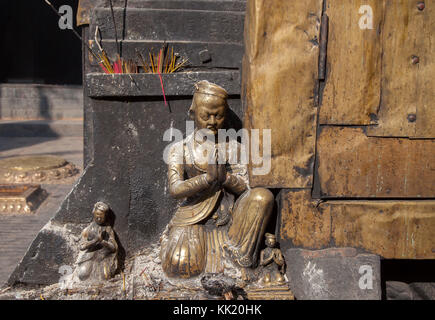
(353, 149)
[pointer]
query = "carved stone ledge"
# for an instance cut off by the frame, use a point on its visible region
(279, 292)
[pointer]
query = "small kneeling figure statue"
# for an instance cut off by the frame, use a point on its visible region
(221, 218)
(273, 262)
(99, 261)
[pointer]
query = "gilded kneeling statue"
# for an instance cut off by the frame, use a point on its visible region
(221, 217)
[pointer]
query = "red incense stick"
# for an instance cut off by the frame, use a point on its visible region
(161, 80)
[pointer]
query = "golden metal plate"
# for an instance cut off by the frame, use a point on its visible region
(28, 163)
(20, 198)
(35, 169)
(278, 90)
(392, 229)
(282, 292)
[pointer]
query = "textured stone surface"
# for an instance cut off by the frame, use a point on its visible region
(17, 231)
(52, 248)
(333, 274)
(396, 290)
(146, 84)
(69, 148)
(217, 284)
(38, 101)
(173, 25)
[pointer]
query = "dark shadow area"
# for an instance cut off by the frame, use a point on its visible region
(233, 121)
(10, 143)
(408, 279)
(29, 128)
(43, 106)
(111, 218)
(35, 49)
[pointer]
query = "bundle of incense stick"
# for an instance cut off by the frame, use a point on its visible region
(165, 61)
(120, 65)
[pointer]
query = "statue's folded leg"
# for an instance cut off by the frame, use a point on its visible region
(85, 269)
(250, 217)
(184, 251)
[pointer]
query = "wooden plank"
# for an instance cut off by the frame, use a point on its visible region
(279, 80)
(352, 91)
(407, 87)
(354, 165)
(391, 229)
(301, 222)
(426, 70)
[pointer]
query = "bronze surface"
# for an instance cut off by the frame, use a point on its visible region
(279, 79)
(278, 292)
(408, 66)
(221, 220)
(392, 229)
(354, 165)
(84, 11)
(352, 89)
(29, 163)
(36, 169)
(20, 199)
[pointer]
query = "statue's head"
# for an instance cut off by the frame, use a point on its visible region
(100, 212)
(270, 240)
(209, 106)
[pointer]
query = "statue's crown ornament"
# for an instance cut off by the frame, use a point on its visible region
(206, 87)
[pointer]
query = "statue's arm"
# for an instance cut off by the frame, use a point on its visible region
(264, 261)
(85, 244)
(236, 175)
(88, 244)
(278, 257)
(111, 242)
(235, 184)
(178, 187)
(262, 258)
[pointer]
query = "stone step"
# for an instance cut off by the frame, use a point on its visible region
(42, 102)
(41, 128)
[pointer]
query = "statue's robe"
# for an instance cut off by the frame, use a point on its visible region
(98, 262)
(214, 222)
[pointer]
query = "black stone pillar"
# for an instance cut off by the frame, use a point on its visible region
(125, 119)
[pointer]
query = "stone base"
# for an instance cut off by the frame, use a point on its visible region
(143, 279)
(333, 274)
